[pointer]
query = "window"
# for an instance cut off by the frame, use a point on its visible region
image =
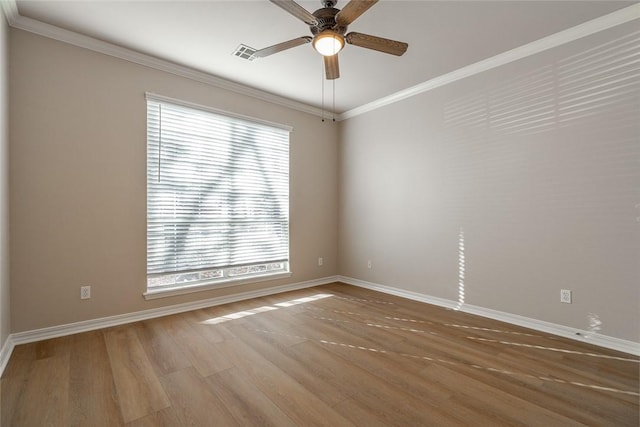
(217, 198)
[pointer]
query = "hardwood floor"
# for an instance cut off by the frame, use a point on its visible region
(333, 355)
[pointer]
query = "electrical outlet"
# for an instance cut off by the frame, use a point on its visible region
(369, 264)
(320, 261)
(85, 292)
(565, 296)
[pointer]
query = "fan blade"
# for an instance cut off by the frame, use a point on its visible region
(353, 10)
(377, 43)
(331, 68)
(296, 10)
(281, 46)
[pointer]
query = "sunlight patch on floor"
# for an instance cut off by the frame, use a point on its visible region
(560, 350)
(245, 313)
(413, 330)
(453, 363)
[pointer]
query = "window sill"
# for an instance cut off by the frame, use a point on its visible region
(200, 287)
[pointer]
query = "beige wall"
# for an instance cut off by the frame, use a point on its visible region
(538, 162)
(78, 180)
(5, 307)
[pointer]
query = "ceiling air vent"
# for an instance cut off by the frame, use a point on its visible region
(245, 52)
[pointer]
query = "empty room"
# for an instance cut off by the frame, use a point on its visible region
(319, 212)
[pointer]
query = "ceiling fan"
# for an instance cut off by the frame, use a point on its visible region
(328, 26)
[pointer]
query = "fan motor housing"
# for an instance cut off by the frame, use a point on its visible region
(326, 18)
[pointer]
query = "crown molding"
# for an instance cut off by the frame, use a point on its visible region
(588, 28)
(15, 20)
(10, 10)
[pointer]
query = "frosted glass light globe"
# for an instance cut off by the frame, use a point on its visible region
(328, 43)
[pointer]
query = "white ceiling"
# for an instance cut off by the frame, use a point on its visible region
(443, 36)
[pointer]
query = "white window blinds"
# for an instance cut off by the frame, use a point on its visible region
(217, 196)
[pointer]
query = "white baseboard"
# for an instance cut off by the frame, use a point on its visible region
(105, 322)
(613, 343)
(93, 324)
(5, 353)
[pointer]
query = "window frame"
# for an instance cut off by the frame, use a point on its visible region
(225, 276)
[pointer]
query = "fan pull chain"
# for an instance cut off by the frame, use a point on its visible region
(322, 85)
(333, 111)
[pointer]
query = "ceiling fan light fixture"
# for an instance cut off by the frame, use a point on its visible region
(328, 43)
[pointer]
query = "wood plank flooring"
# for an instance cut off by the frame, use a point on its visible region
(332, 355)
